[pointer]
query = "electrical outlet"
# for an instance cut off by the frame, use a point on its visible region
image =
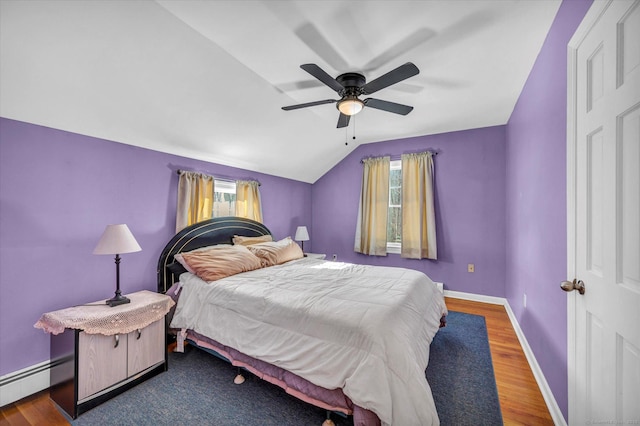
(471, 267)
(335, 257)
(524, 300)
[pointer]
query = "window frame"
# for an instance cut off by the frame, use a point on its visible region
(224, 187)
(394, 247)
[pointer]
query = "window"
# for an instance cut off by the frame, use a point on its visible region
(394, 218)
(224, 198)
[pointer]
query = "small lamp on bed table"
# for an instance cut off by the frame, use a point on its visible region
(117, 239)
(302, 235)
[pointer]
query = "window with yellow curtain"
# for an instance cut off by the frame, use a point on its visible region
(195, 198)
(418, 212)
(248, 200)
(371, 228)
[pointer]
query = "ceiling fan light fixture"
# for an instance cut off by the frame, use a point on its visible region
(350, 105)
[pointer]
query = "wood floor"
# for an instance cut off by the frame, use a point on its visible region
(520, 398)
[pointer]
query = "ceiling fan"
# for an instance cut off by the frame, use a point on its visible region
(351, 85)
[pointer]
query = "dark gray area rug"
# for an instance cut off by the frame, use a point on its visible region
(460, 373)
(199, 389)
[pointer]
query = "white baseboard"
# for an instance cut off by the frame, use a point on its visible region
(25, 382)
(476, 297)
(549, 399)
(552, 405)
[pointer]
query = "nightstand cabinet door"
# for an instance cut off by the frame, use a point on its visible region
(102, 362)
(145, 348)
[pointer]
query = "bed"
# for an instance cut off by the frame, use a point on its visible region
(347, 338)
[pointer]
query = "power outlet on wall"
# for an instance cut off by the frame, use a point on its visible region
(471, 267)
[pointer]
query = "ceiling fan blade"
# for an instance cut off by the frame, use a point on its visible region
(321, 75)
(308, 104)
(388, 106)
(313, 38)
(343, 120)
(413, 40)
(392, 77)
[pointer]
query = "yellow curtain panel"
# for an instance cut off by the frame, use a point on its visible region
(418, 213)
(248, 203)
(195, 199)
(371, 229)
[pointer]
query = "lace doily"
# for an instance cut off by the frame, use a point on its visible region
(145, 308)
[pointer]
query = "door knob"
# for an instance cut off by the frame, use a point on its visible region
(576, 284)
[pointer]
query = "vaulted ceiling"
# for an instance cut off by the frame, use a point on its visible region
(207, 79)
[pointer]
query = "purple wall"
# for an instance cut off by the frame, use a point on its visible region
(536, 202)
(58, 191)
(470, 208)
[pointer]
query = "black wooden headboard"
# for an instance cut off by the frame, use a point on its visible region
(207, 233)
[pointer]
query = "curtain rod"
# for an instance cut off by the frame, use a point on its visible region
(225, 178)
(396, 157)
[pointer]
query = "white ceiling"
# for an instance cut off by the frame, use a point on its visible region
(207, 79)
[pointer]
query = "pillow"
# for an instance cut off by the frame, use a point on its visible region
(178, 257)
(216, 262)
(247, 241)
(276, 252)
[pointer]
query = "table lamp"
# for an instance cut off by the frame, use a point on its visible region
(302, 235)
(117, 239)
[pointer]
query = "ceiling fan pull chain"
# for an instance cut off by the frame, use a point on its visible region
(354, 128)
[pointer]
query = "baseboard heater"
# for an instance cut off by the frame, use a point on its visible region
(22, 383)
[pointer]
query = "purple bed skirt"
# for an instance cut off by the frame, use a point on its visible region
(328, 399)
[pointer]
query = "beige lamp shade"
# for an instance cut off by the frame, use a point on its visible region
(302, 234)
(117, 239)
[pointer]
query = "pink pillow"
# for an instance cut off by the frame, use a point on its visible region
(276, 252)
(247, 241)
(216, 262)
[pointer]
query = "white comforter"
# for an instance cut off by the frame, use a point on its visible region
(365, 329)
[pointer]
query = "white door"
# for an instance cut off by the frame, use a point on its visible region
(603, 153)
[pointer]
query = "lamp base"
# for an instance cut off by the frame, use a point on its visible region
(117, 300)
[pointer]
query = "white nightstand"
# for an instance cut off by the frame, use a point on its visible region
(98, 351)
(316, 255)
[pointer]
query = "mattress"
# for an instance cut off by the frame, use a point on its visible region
(363, 329)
